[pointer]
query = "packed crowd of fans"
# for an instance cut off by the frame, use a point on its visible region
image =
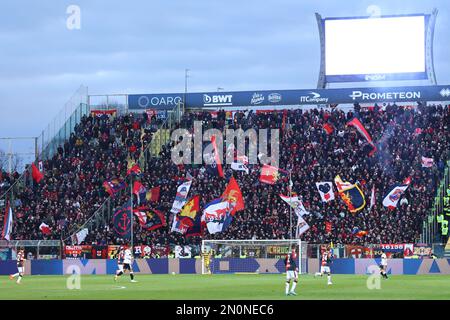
(100, 146)
(72, 189)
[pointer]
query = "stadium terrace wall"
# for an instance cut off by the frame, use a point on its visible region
(193, 266)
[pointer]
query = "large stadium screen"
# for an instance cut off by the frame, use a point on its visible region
(381, 48)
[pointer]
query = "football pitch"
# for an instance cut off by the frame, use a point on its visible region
(224, 287)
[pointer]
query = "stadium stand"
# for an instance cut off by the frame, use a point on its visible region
(101, 147)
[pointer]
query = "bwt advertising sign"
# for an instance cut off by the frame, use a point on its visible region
(290, 97)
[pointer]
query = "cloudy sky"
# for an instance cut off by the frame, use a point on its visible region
(144, 46)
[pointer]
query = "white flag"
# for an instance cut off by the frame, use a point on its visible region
(237, 166)
(8, 218)
(372, 198)
(81, 235)
(296, 204)
(302, 227)
(394, 196)
(427, 162)
(181, 196)
(325, 190)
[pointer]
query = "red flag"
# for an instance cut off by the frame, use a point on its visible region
(233, 195)
(153, 194)
(138, 187)
(328, 226)
(45, 229)
(216, 157)
(270, 174)
(328, 128)
(134, 169)
(37, 175)
(407, 181)
(360, 128)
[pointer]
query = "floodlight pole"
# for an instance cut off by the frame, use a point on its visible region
(186, 76)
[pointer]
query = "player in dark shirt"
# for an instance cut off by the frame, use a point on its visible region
(291, 272)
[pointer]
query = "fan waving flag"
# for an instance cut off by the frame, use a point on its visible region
(233, 195)
(81, 235)
(181, 196)
(392, 198)
(271, 175)
(45, 229)
(114, 186)
(134, 168)
(140, 191)
(36, 174)
(150, 219)
(153, 194)
(325, 190)
(372, 198)
(328, 128)
(427, 162)
(8, 223)
(217, 215)
(351, 194)
(302, 227)
(186, 218)
(295, 203)
(360, 128)
(237, 166)
(216, 164)
(196, 229)
(122, 221)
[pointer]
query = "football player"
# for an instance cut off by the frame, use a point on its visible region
(325, 264)
(207, 261)
(383, 266)
(20, 266)
(291, 272)
(124, 261)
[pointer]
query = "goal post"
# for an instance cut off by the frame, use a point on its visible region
(250, 256)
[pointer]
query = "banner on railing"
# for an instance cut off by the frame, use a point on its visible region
(73, 252)
(110, 112)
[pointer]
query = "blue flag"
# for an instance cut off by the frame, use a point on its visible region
(122, 220)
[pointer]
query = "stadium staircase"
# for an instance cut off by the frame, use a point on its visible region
(435, 228)
(160, 138)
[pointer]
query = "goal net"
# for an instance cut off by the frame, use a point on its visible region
(250, 256)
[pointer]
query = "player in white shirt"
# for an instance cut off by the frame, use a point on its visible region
(383, 266)
(125, 259)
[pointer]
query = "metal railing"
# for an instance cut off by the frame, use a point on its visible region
(431, 230)
(39, 248)
(56, 132)
(103, 214)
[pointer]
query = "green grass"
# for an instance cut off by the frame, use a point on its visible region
(234, 287)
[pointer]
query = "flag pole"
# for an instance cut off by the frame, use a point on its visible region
(131, 211)
(290, 207)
